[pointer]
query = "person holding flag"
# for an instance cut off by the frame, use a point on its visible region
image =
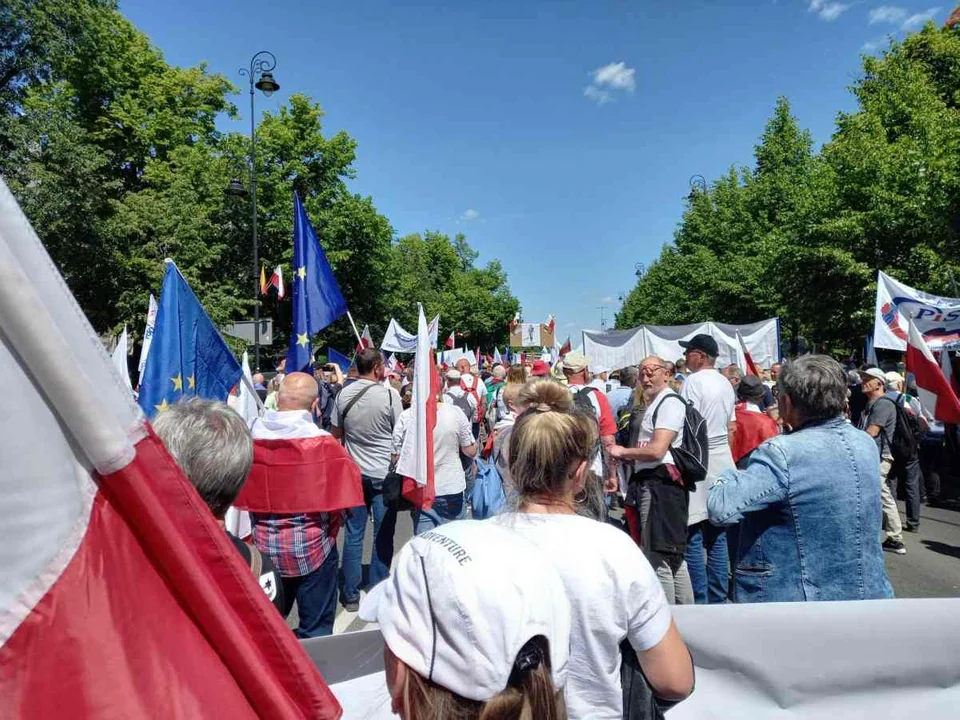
(317, 300)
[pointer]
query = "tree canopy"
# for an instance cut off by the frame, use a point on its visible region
(118, 160)
(802, 233)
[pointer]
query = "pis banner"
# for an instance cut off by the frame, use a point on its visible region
(936, 317)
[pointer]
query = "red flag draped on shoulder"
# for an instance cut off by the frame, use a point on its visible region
(130, 600)
(936, 395)
(416, 454)
(301, 475)
(751, 365)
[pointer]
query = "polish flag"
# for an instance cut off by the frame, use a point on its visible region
(936, 395)
(366, 339)
(416, 455)
(551, 323)
(276, 280)
(126, 598)
(751, 365)
(947, 366)
(566, 347)
(451, 341)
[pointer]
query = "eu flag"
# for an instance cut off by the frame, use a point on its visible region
(317, 300)
(187, 355)
(338, 358)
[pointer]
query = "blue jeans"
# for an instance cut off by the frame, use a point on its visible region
(384, 524)
(709, 576)
(316, 595)
(446, 508)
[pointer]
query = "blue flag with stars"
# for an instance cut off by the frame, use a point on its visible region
(187, 356)
(317, 300)
(338, 358)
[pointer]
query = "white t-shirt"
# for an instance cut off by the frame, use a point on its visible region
(712, 394)
(452, 432)
(614, 594)
(670, 416)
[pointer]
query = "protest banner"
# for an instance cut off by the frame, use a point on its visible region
(936, 317)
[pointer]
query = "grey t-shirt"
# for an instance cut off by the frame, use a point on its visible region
(884, 415)
(369, 426)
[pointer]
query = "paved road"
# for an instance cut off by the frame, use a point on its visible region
(931, 567)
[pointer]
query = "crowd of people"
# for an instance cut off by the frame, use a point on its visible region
(733, 488)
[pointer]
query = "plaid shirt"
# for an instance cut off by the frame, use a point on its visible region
(297, 544)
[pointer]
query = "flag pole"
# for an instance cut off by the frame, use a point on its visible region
(354, 326)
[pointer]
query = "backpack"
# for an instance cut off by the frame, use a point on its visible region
(493, 413)
(472, 390)
(628, 423)
(691, 455)
(581, 401)
(488, 496)
(906, 432)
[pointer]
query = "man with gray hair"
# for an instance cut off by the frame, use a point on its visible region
(213, 447)
(808, 502)
(301, 481)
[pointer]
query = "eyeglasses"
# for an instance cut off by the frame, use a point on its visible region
(650, 370)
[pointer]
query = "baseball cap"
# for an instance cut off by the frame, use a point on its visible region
(702, 342)
(575, 361)
(461, 602)
(600, 369)
(453, 375)
(540, 368)
(894, 378)
(875, 373)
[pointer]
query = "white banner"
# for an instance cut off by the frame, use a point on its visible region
(937, 318)
(119, 358)
(777, 661)
(397, 339)
(147, 334)
(620, 348)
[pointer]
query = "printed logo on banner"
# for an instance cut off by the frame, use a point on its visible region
(936, 318)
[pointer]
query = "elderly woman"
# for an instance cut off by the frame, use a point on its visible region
(808, 501)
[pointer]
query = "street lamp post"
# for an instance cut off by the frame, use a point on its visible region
(261, 64)
(698, 183)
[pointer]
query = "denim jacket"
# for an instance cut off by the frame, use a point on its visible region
(809, 508)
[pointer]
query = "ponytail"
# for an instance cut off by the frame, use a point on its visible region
(530, 693)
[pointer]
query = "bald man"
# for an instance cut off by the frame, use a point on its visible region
(297, 509)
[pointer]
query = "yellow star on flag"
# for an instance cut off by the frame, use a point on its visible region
(177, 383)
(302, 272)
(162, 406)
(191, 382)
(302, 339)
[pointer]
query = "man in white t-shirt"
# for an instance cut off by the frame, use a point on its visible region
(452, 436)
(712, 394)
(656, 504)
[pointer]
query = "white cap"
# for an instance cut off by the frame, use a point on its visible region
(461, 602)
(600, 369)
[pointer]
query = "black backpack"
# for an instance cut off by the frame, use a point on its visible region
(906, 433)
(692, 454)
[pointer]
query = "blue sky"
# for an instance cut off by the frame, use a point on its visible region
(558, 136)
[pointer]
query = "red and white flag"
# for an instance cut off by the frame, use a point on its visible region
(751, 366)
(935, 394)
(416, 454)
(551, 323)
(366, 339)
(126, 598)
(276, 280)
(451, 341)
(566, 347)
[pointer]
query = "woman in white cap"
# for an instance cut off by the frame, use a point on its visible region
(613, 591)
(475, 624)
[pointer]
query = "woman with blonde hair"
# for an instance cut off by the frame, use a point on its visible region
(614, 593)
(476, 626)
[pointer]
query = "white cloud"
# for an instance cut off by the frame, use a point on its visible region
(887, 14)
(827, 10)
(608, 80)
(916, 20)
(608, 301)
(470, 214)
(872, 45)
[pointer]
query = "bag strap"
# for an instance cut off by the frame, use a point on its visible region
(256, 561)
(653, 420)
(349, 407)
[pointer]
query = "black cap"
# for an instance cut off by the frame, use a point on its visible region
(751, 388)
(702, 342)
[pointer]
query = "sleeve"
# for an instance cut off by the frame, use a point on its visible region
(768, 401)
(464, 430)
(398, 432)
(335, 413)
(396, 404)
(608, 425)
(648, 614)
(671, 415)
(688, 390)
(762, 483)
